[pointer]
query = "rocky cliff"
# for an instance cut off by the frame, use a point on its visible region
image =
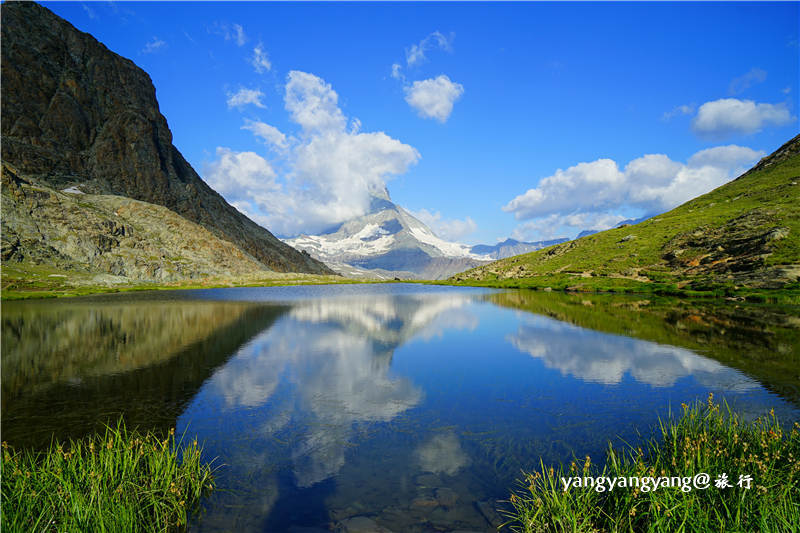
(77, 115)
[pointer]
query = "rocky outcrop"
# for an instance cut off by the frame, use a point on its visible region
(740, 245)
(76, 114)
(110, 234)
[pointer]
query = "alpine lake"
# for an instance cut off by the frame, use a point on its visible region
(386, 407)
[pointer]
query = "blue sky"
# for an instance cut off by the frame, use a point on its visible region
(524, 119)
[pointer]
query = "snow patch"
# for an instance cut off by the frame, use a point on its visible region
(368, 237)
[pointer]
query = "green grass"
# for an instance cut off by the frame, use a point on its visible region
(24, 281)
(708, 438)
(117, 482)
(709, 234)
(789, 294)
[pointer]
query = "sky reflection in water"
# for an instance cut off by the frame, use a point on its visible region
(411, 405)
(363, 404)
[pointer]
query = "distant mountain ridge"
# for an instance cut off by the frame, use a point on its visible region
(511, 247)
(389, 242)
(628, 222)
(77, 116)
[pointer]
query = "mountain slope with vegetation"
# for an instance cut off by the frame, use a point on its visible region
(745, 233)
(77, 116)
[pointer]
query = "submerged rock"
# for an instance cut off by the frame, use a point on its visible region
(424, 502)
(360, 524)
(446, 497)
(488, 509)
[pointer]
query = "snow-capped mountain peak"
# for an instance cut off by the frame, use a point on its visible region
(389, 238)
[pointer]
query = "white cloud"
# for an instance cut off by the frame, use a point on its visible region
(331, 169)
(238, 35)
(415, 54)
(260, 59)
(89, 11)
(557, 226)
(593, 221)
(593, 186)
(271, 135)
(447, 229)
(728, 116)
(338, 171)
(312, 103)
(736, 158)
(231, 32)
(243, 97)
(434, 97)
(153, 45)
(745, 81)
(247, 181)
(397, 72)
(593, 195)
(542, 228)
(679, 110)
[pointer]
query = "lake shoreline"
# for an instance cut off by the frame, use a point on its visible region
(789, 295)
(63, 286)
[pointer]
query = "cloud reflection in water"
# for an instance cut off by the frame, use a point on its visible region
(603, 358)
(442, 454)
(336, 354)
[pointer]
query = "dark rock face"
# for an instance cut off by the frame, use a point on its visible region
(75, 113)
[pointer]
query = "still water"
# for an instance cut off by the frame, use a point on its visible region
(405, 407)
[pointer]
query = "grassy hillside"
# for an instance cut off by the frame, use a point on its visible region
(744, 234)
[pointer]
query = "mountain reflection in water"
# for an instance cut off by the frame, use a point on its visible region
(414, 407)
(70, 367)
